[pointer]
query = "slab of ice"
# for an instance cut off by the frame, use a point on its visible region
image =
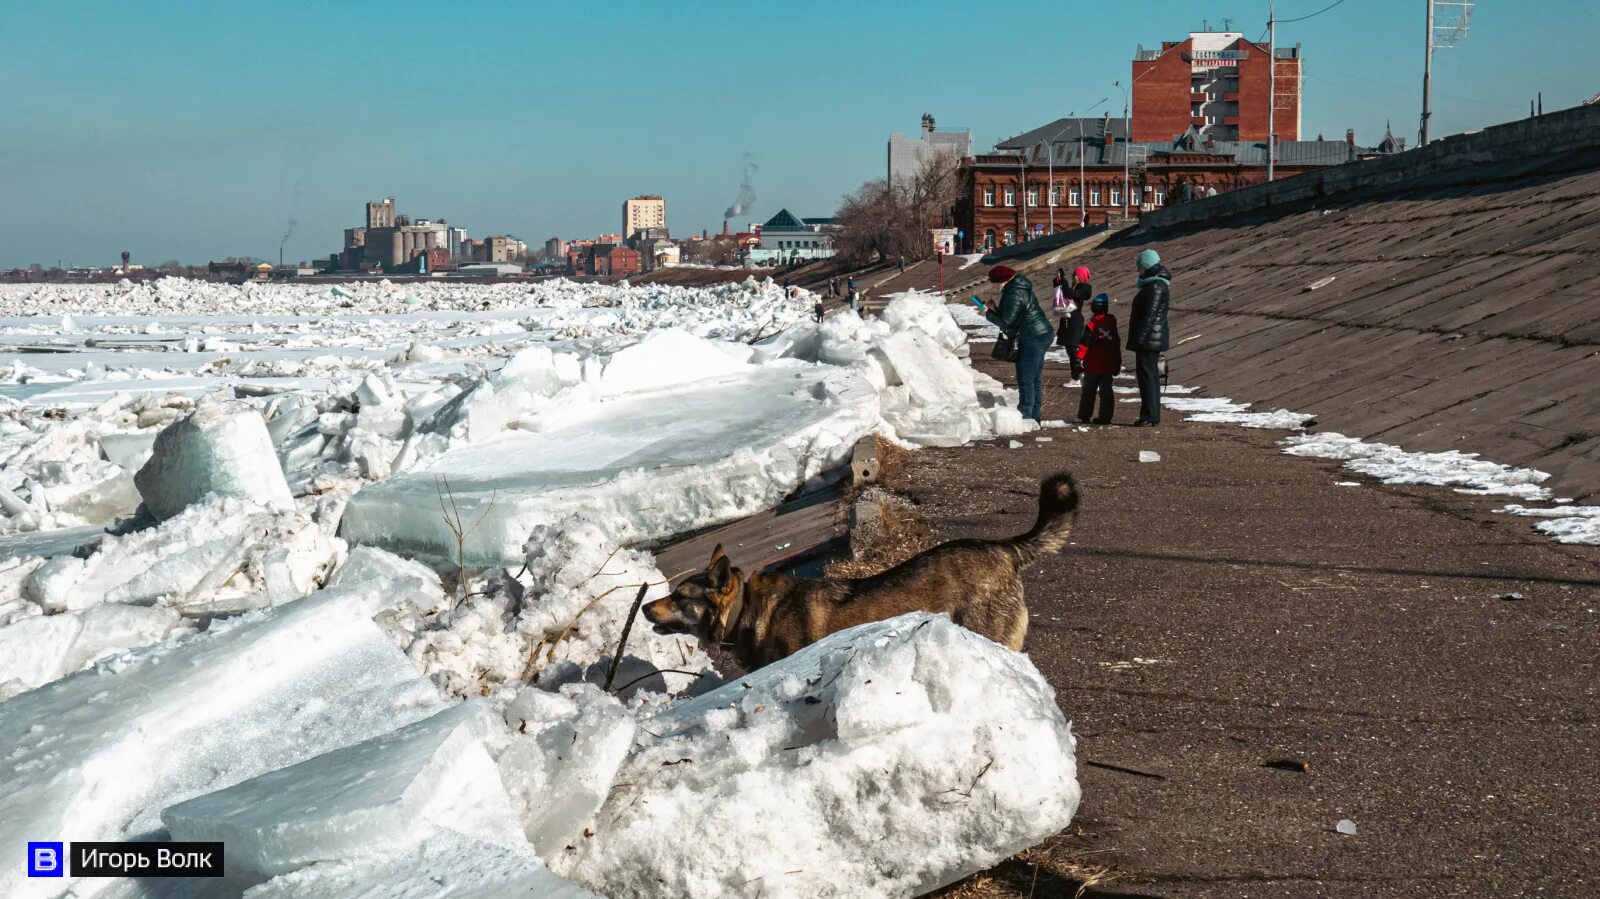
(448, 866)
(1393, 465)
(885, 760)
(562, 759)
(38, 650)
(1149, 456)
(662, 463)
(380, 796)
(97, 755)
(220, 448)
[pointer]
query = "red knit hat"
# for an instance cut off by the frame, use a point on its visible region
(1082, 274)
(1000, 274)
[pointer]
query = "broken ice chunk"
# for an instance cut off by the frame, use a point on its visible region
(221, 448)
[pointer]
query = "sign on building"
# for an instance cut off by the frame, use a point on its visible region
(944, 241)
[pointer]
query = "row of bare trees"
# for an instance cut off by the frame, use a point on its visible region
(882, 221)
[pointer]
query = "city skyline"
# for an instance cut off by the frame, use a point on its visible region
(192, 134)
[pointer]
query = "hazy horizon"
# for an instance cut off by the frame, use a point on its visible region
(196, 133)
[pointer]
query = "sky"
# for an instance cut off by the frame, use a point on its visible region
(201, 130)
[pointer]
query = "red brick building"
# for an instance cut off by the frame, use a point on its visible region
(602, 260)
(1217, 82)
(1031, 185)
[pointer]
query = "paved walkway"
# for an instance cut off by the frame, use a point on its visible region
(1230, 607)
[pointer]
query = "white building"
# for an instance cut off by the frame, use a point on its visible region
(907, 155)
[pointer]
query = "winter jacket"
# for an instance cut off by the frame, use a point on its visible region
(1147, 325)
(1072, 322)
(1102, 346)
(1020, 315)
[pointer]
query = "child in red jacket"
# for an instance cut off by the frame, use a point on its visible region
(1101, 352)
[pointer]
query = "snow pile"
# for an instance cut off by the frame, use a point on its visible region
(98, 755)
(1393, 465)
(220, 449)
(1566, 524)
(1226, 411)
(565, 612)
(733, 312)
(885, 760)
(222, 555)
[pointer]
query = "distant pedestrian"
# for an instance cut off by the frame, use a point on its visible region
(1148, 334)
(851, 286)
(1019, 317)
(833, 287)
(902, 265)
(1076, 291)
(855, 300)
(818, 310)
(1101, 352)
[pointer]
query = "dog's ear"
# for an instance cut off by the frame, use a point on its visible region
(721, 573)
(716, 554)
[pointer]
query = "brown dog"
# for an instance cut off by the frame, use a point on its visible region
(769, 616)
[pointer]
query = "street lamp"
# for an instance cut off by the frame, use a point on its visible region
(1127, 143)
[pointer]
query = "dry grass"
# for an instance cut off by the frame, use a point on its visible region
(893, 460)
(1029, 874)
(894, 535)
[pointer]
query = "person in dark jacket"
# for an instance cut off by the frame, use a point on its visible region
(1101, 351)
(1069, 333)
(1019, 316)
(1147, 333)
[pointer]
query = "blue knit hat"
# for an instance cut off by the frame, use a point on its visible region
(1100, 303)
(1148, 259)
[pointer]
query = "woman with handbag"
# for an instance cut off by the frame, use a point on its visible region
(1025, 336)
(1072, 298)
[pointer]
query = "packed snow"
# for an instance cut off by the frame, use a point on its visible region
(1392, 465)
(1566, 523)
(885, 760)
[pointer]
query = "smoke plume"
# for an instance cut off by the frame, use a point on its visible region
(747, 194)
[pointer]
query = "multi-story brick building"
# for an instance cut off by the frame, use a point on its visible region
(1070, 173)
(602, 260)
(1216, 82)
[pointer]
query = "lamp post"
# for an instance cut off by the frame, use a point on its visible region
(1127, 142)
(1272, 85)
(1049, 144)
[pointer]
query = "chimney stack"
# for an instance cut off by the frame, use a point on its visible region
(1350, 136)
(704, 234)
(724, 227)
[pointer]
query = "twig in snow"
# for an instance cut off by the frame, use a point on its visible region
(452, 520)
(627, 628)
(695, 674)
(1123, 770)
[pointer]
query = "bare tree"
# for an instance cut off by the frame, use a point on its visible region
(880, 221)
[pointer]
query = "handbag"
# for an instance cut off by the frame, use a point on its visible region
(1005, 349)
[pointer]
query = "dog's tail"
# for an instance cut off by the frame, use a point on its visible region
(1058, 508)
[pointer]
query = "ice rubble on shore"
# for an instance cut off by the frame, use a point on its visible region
(322, 737)
(674, 432)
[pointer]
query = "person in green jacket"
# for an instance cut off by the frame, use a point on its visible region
(1019, 315)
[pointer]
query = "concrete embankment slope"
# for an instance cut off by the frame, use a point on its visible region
(1463, 310)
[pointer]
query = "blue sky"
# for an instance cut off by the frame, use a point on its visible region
(198, 130)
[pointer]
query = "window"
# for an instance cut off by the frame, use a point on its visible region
(1211, 120)
(988, 196)
(1094, 196)
(1073, 198)
(1161, 198)
(1011, 237)
(988, 239)
(1116, 197)
(1194, 109)
(1033, 196)
(1055, 196)
(1011, 197)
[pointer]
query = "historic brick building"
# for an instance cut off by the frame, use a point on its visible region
(1217, 82)
(1031, 184)
(602, 260)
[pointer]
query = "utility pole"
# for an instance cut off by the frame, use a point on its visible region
(1427, 77)
(1272, 87)
(1127, 143)
(1022, 197)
